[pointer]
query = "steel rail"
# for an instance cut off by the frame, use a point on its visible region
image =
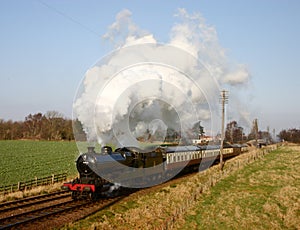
(33, 215)
(30, 201)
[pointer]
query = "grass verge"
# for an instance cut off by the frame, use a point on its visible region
(262, 195)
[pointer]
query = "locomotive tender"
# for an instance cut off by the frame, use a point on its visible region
(97, 171)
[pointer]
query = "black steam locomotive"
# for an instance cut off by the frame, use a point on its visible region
(101, 173)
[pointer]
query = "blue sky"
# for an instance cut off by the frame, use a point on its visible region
(47, 46)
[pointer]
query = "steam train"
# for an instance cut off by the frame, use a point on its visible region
(100, 174)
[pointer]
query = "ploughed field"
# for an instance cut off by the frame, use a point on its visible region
(25, 160)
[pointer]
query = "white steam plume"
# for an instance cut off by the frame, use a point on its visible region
(123, 98)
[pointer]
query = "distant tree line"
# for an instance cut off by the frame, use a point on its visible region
(234, 133)
(291, 135)
(54, 126)
(49, 126)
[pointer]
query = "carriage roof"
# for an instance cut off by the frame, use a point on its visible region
(187, 148)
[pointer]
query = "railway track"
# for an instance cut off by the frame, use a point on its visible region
(43, 213)
(30, 201)
(38, 214)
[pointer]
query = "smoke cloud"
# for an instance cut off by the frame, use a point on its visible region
(144, 87)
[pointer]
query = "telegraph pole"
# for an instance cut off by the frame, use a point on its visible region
(224, 100)
(255, 125)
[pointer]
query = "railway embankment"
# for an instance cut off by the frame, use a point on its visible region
(181, 203)
(264, 194)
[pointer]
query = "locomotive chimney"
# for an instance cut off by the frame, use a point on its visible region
(106, 150)
(91, 149)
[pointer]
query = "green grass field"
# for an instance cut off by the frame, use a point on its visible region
(25, 160)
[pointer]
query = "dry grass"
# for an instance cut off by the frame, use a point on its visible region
(263, 195)
(31, 192)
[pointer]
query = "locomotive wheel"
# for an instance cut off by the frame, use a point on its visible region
(75, 195)
(93, 196)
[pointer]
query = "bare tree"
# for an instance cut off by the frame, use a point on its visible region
(234, 133)
(51, 126)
